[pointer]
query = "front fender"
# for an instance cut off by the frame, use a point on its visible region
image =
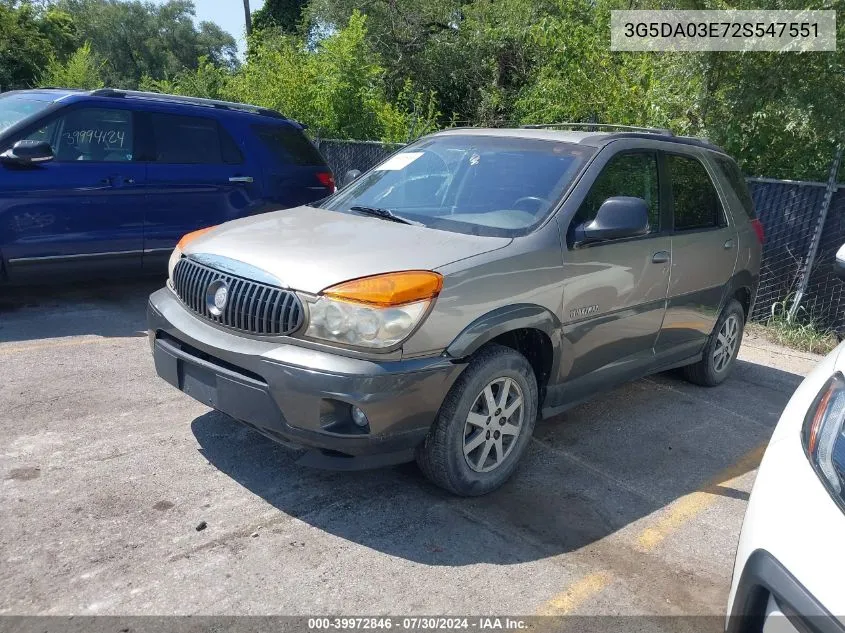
(502, 320)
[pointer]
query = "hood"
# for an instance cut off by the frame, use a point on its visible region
(310, 249)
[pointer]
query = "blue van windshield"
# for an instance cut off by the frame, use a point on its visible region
(14, 108)
(483, 185)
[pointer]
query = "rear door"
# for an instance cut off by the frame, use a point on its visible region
(197, 176)
(704, 251)
(294, 171)
(83, 212)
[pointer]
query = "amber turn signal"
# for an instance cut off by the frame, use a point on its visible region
(389, 289)
(190, 237)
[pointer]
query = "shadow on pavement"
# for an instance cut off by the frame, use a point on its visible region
(589, 473)
(101, 308)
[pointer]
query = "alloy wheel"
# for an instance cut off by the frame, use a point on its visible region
(726, 343)
(493, 425)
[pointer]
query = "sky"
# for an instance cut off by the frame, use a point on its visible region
(229, 14)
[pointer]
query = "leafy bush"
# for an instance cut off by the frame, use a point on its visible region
(81, 70)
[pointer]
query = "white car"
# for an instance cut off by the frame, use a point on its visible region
(791, 553)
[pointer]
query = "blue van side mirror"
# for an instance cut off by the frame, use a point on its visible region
(28, 152)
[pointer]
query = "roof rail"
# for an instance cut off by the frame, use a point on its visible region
(596, 127)
(198, 101)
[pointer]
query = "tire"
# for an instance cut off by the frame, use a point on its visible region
(712, 370)
(441, 457)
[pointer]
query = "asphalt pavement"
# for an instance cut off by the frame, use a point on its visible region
(629, 504)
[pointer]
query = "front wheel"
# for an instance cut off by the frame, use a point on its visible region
(721, 349)
(484, 425)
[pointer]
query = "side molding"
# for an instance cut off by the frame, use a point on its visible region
(501, 321)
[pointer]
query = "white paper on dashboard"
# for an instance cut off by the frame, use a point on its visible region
(400, 161)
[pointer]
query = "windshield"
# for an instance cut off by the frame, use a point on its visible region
(483, 185)
(16, 107)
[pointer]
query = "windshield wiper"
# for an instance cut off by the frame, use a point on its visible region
(385, 214)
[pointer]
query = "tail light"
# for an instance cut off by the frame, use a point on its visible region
(327, 180)
(758, 229)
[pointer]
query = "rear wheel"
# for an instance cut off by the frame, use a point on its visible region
(484, 425)
(721, 350)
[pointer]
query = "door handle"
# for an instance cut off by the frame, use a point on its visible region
(660, 257)
(247, 179)
(729, 244)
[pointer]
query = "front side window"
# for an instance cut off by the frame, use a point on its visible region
(186, 140)
(89, 134)
(696, 202)
(484, 185)
(630, 174)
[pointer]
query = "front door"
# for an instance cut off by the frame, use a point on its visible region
(704, 249)
(614, 292)
(82, 212)
(197, 177)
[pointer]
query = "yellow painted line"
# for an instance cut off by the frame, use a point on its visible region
(675, 516)
(35, 346)
(576, 594)
(691, 505)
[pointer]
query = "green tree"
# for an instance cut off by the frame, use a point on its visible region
(207, 80)
(29, 37)
(81, 70)
(336, 87)
(284, 15)
(137, 39)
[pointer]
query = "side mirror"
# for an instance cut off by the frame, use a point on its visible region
(617, 218)
(839, 263)
(28, 152)
(351, 176)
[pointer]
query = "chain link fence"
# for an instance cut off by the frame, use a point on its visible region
(789, 211)
(343, 156)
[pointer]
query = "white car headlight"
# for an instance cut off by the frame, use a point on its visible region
(373, 312)
(823, 437)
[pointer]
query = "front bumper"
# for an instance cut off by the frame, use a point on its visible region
(767, 593)
(299, 396)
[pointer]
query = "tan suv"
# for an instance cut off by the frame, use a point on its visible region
(476, 280)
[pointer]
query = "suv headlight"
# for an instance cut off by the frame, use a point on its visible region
(177, 252)
(375, 312)
(823, 438)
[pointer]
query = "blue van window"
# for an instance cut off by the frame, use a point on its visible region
(186, 140)
(289, 145)
(89, 134)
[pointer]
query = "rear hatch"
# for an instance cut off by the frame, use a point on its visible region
(294, 171)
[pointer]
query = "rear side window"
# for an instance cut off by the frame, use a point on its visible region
(696, 202)
(187, 140)
(738, 184)
(289, 145)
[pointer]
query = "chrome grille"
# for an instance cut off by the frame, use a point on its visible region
(251, 307)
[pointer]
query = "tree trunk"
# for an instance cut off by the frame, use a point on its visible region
(247, 17)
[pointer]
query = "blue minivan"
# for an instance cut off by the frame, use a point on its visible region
(107, 181)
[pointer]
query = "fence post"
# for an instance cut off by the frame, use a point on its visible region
(817, 236)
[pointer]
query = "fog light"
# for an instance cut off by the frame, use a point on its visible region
(359, 417)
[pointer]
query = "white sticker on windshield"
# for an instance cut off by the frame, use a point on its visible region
(399, 161)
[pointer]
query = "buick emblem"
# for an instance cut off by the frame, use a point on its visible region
(217, 296)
